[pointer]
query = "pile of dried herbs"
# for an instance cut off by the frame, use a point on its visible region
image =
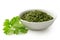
(36, 16)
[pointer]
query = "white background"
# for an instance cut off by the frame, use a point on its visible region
(11, 8)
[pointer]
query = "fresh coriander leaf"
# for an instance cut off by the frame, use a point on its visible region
(6, 23)
(13, 20)
(24, 30)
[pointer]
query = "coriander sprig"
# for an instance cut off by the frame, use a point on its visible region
(14, 26)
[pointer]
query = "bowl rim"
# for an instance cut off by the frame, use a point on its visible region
(54, 15)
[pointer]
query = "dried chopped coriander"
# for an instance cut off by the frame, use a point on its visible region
(36, 16)
(14, 26)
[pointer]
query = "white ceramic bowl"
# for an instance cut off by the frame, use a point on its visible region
(38, 25)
